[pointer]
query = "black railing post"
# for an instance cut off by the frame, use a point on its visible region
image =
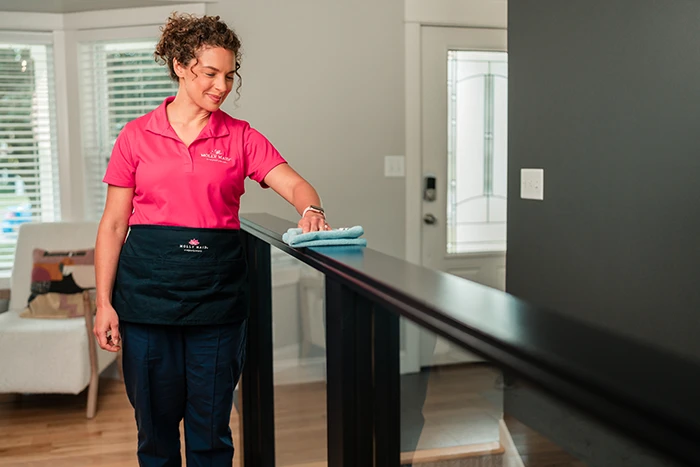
(350, 403)
(258, 420)
(362, 345)
(387, 388)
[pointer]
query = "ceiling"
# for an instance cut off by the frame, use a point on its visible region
(74, 6)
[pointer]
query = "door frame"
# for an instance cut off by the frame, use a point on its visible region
(418, 13)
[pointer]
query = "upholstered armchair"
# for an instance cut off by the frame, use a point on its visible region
(49, 355)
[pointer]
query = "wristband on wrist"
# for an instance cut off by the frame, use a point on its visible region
(313, 208)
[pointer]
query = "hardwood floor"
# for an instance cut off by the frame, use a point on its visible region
(51, 430)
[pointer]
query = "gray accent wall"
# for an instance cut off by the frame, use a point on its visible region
(605, 97)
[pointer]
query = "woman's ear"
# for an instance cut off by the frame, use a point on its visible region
(179, 68)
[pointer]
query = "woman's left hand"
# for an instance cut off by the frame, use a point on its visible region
(313, 222)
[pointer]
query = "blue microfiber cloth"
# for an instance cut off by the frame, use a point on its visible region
(336, 237)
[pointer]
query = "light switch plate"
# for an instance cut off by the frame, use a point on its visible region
(532, 184)
(394, 166)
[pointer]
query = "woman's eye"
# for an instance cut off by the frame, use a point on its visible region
(229, 78)
(211, 75)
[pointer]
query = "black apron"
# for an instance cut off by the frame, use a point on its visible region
(181, 275)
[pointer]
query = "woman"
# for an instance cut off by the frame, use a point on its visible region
(173, 295)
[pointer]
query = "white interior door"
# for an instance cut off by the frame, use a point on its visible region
(464, 86)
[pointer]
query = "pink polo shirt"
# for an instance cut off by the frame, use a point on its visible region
(200, 186)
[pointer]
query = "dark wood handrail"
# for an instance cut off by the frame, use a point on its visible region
(645, 391)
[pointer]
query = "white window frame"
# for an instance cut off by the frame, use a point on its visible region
(90, 36)
(45, 170)
(65, 32)
(116, 25)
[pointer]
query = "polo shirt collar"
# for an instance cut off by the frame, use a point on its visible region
(159, 124)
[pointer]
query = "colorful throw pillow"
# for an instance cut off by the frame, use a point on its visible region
(59, 279)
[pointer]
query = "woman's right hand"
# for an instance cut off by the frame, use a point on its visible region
(107, 329)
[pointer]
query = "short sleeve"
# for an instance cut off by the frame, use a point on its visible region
(121, 170)
(260, 155)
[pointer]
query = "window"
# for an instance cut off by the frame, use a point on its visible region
(28, 146)
(120, 81)
(477, 151)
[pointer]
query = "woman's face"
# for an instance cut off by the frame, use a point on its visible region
(210, 81)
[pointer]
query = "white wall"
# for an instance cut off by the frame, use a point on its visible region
(324, 81)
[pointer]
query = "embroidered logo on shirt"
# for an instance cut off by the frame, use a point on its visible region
(216, 155)
(193, 246)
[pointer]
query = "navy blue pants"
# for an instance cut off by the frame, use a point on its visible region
(173, 373)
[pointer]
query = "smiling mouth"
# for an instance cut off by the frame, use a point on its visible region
(216, 99)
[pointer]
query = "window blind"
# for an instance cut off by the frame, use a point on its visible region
(120, 81)
(28, 146)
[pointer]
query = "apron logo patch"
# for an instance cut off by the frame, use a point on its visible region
(216, 155)
(193, 246)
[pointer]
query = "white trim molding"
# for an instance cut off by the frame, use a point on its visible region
(413, 142)
(462, 13)
(70, 161)
(116, 34)
(18, 21)
(511, 456)
(128, 17)
(24, 37)
(62, 43)
(100, 19)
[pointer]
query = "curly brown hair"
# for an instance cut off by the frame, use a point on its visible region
(184, 35)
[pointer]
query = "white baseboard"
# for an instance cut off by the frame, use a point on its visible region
(290, 369)
(511, 458)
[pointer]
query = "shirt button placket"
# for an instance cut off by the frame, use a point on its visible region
(189, 160)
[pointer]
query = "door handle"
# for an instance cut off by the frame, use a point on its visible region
(429, 219)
